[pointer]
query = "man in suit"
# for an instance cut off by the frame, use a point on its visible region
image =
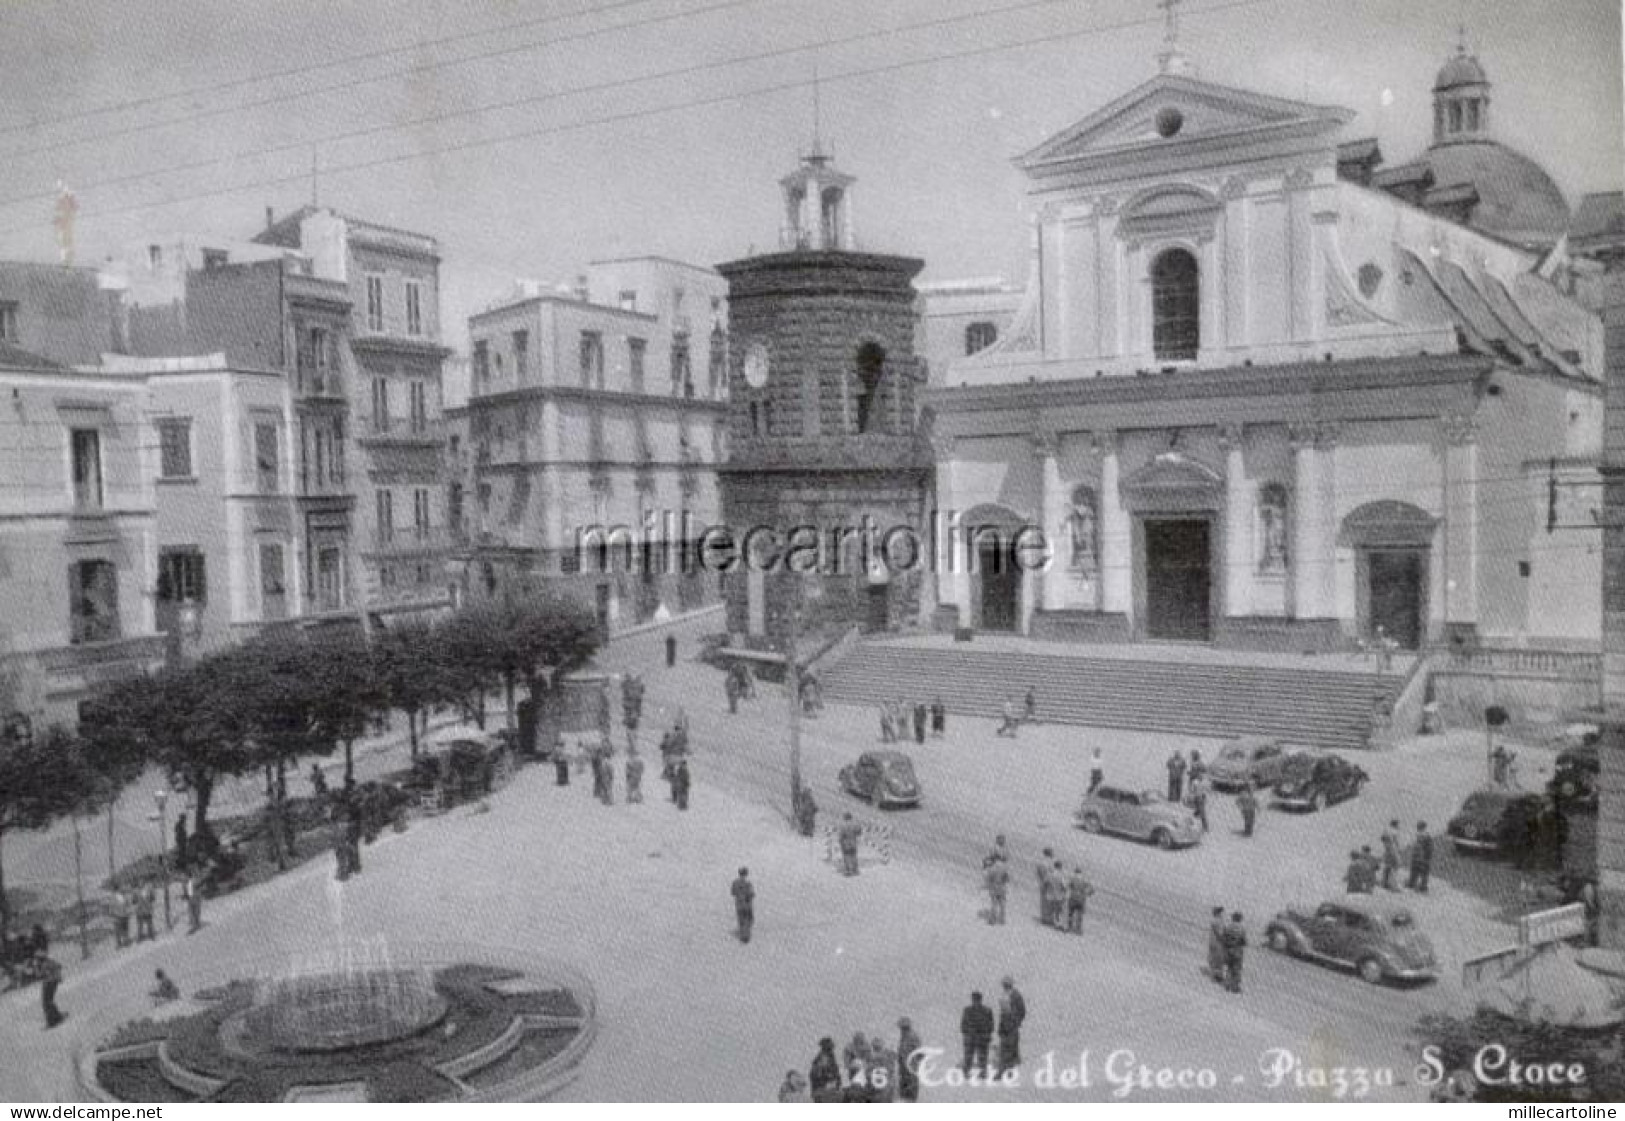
(908, 1061)
(1390, 855)
(1215, 945)
(1235, 947)
(976, 1032)
(1421, 858)
(1012, 1013)
(848, 836)
(1176, 777)
(744, 893)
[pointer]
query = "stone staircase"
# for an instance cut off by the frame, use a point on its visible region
(1322, 708)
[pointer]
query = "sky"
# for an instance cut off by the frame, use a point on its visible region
(533, 136)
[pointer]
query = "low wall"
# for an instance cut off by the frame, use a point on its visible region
(1540, 689)
(1276, 635)
(1081, 626)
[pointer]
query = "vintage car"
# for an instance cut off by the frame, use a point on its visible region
(884, 778)
(1376, 939)
(1315, 780)
(1574, 776)
(1501, 822)
(1248, 761)
(1138, 813)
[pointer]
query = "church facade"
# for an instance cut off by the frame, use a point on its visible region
(1265, 392)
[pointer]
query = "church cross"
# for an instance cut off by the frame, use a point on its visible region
(1170, 10)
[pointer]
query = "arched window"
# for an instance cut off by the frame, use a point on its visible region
(1081, 523)
(979, 336)
(1175, 306)
(871, 368)
(1272, 513)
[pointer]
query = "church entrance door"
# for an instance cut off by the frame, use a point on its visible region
(877, 609)
(1000, 587)
(1395, 594)
(1178, 579)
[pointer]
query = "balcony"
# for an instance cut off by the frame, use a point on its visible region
(410, 541)
(402, 433)
(96, 662)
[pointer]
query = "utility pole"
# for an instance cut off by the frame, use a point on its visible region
(792, 681)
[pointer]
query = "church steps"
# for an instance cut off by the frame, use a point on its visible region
(1312, 707)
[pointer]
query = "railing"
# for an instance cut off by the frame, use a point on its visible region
(410, 539)
(1545, 663)
(68, 658)
(401, 431)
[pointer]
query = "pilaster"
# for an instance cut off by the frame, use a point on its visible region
(1238, 503)
(1116, 531)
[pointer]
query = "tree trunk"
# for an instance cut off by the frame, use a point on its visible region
(273, 830)
(202, 793)
(479, 709)
(412, 730)
(349, 763)
(508, 688)
(112, 864)
(5, 903)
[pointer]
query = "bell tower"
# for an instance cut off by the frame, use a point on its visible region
(817, 204)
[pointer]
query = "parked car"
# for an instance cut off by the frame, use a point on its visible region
(1503, 822)
(1138, 813)
(1376, 939)
(884, 778)
(1248, 761)
(1574, 776)
(1315, 780)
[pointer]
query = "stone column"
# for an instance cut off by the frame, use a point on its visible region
(1238, 524)
(1116, 532)
(1305, 523)
(1460, 453)
(1051, 516)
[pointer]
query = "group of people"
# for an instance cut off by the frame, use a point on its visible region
(1009, 721)
(138, 901)
(1226, 948)
(978, 1026)
(901, 721)
(866, 1070)
(1063, 897)
(1366, 869)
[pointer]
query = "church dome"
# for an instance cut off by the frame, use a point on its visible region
(1461, 70)
(1517, 200)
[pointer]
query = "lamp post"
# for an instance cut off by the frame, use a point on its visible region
(161, 797)
(79, 888)
(792, 681)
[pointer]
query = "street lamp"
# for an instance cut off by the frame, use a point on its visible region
(161, 797)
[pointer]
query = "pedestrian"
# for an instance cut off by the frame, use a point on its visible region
(671, 650)
(885, 724)
(919, 722)
(1235, 947)
(1390, 855)
(182, 848)
(680, 784)
(882, 1071)
(49, 973)
(606, 755)
(996, 877)
(192, 892)
(1045, 864)
(908, 1061)
(939, 718)
(1007, 723)
(1029, 706)
(730, 686)
(824, 1075)
(1001, 851)
(1197, 768)
(1369, 866)
(857, 1059)
(793, 1088)
(1421, 858)
(1196, 796)
(1176, 777)
(561, 764)
(634, 775)
(120, 910)
(1215, 945)
(975, 1032)
(744, 893)
(1247, 803)
(1078, 891)
(848, 836)
(1055, 893)
(145, 901)
(806, 811)
(1097, 769)
(1354, 875)
(164, 990)
(318, 782)
(1012, 1012)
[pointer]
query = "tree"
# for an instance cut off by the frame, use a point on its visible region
(529, 639)
(412, 674)
(41, 779)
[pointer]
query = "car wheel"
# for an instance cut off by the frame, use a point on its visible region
(1162, 838)
(1371, 970)
(1318, 803)
(1091, 823)
(1279, 941)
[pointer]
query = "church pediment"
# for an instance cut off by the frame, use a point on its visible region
(1173, 481)
(1173, 111)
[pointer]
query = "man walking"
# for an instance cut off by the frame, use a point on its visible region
(1097, 769)
(1078, 891)
(996, 876)
(634, 775)
(848, 836)
(1176, 777)
(1390, 856)
(50, 975)
(1421, 858)
(1044, 896)
(976, 1032)
(1215, 945)
(908, 1061)
(939, 718)
(1012, 1011)
(1197, 797)
(680, 783)
(919, 722)
(192, 892)
(1247, 803)
(1235, 946)
(744, 893)
(731, 687)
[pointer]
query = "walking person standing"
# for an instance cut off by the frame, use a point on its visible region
(939, 718)
(1012, 1012)
(192, 892)
(919, 722)
(1390, 855)
(908, 1061)
(1197, 797)
(848, 836)
(49, 972)
(1078, 891)
(1097, 769)
(744, 893)
(1247, 803)
(1215, 945)
(1176, 777)
(996, 876)
(1421, 858)
(1235, 946)
(680, 783)
(975, 1032)
(634, 775)
(121, 918)
(1045, 897)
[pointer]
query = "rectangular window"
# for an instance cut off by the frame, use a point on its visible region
(8, 322)
(682, 382)
(414, 308)
(87, 468)
(592, 359)
(175, 448)
(336, 460)
(420, 513)
(521, 355)
(92, 602)
(380, 404)
(329, 578)
(386, 517)
(629, 299)
(454, 507)
(636, 356)
(273, 583)
(180, 576)
(268, 458)
(482, 364)
(420, 406)
(375, 303)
